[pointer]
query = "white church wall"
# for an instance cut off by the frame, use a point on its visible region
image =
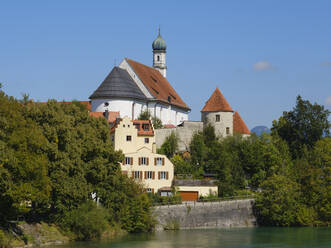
(115, 105)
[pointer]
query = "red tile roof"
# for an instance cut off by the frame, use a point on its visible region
(217, 102)
(239, 125)
(141, 131)
(169, 126)
(111, 115)
(157, 85)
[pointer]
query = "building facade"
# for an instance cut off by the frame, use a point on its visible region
(136, 139)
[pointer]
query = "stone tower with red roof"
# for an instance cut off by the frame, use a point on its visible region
(218, 113)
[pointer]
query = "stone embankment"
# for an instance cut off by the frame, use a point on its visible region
(235, 213)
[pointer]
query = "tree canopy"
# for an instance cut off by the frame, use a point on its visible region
(53, 157)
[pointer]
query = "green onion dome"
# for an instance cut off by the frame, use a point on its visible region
(159, 43)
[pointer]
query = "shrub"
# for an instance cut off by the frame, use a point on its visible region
(87, 222)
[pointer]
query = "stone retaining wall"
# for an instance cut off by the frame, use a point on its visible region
(236, 213)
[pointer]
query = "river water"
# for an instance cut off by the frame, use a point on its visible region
(221, 238)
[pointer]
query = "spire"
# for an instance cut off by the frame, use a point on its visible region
(216, 103)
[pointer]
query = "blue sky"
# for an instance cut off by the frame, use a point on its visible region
(261, 54)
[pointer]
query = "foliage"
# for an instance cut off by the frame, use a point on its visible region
(146, 115)
(88, 221)
(4, 240)
(157, 199)
(182, 166)
(303, 126)
(169, 146)
(53, 157)
(279, 201)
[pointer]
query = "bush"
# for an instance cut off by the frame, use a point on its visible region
(165, 200)
(4, 240)
(87, 222)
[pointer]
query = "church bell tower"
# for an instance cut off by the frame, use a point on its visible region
(159, 55)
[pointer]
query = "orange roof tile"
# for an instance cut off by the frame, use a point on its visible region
(239, 125)
(169, 126)
(157, 85)
(217, 102)
(111, 115)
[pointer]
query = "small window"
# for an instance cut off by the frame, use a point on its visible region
(149, 174)
(123, 125)
(218, 118)
(149, 190)
(146, 140)
(158, 161)
(106, 104)
(128, 160)
(227, 130)
(137, 174)
(158, 58)
(144, 161)
(128, 138)
(163, 175)
(128, 125)
(146, 127)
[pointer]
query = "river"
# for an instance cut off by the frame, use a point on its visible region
(221, 238)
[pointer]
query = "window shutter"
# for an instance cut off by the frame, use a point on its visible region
(145, 175)
(139, 161)
(131, 162)
(123, 161)
(162, 161)
(132, 174)
(141, 175)
(159, 174)
(167, 175)
(153, 191)
(153, 174)
(147, 161)
(154, 161)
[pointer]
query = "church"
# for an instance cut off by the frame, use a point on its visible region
(132, 88)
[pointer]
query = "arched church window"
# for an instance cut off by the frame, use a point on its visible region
(158, 58)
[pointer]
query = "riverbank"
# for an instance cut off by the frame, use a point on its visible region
(25, 235)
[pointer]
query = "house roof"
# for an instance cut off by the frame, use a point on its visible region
(217, 102)
(118, 84)
(239, 125)
(194, 182)
(157, 85)
(111, 115)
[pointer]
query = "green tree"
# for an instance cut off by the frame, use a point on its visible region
(303, 126)
(279, 202)
(146, 115)
(170, 145)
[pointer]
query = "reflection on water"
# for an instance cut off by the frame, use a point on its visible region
(222, 238)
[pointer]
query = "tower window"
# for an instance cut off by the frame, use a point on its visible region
(227, 130)
(218, 118)
(158, 58)
(106, 104)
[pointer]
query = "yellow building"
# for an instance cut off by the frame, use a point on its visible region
(137, 141)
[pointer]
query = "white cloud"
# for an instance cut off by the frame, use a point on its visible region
(328, 101)
(263, 66)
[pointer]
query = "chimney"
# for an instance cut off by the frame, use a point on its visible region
(106, 114)
(154, 147)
